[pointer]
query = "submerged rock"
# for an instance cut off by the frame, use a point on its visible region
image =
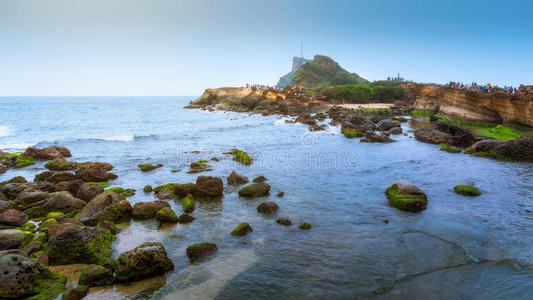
(305, 226)
(23, 277)
(166, 215)
(95, 172)
(466, 190)
(517, 149)
(372, 137)
(242, 229)
(240, 156)
(185, 218)
(237, 179)
(267, 207)
(147, 260)
(406, 197)
(442, 132)
(188, 204)
(255, 190)
(76, 293)
(147, 188)
(200, 250)
(149, 167)
(284, 221)
(96, 275)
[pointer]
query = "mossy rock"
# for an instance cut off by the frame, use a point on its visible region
(259, 179)
(55, 165)
(48, 285)
(352, 133)
(448, 148)
(166, 215)
(200, 250)
(76, 293)
(95, 275)
(466, 190)
(267, 207)
(103, 184)
(149, 167)
(185, 218)
(188, 204)
(255, 190)
(406, 197)
(28, 226)
(176, 189)
(147, 188)
(55, 215)
(199, 166)
(147, 260)
(45, 224)
(284, 221)
(305, 226)
(240, 156)
(118, 212)
(242, 229)
(16, 160)
(122, 191)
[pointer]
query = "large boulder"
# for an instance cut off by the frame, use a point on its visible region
(22, 277)
(4, 205)
(55, 176)
(406, 197)
(77, 244)
(255, 190)
(517, 149)
(237, 179)
(208, 186)
(48, 153)
(58, 202)
(95, 172)
(147, 210)
(442, 132)
(12, 239)
(69, 186)
(147, 260)
(88, 191)
(305, 119)
(96, 209)
(96, 275)
(387, 124)
(11, 190)
(30, 196)
(12, 217)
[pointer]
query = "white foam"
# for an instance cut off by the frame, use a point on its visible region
(119, 138)
(5, 131)
(10, 146)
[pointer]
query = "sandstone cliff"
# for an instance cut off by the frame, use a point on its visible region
(474, 105)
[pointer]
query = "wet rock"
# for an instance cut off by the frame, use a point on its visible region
(280, 194)
(34, 247)
(466, 190)
(96, 275)
(372, 137)
(12, 217)
(255, 190)
(442, 132)
(11, 239)
(43, 259)
(3, 168)
(201, 250)
(11, 190)
(305, 226)
(16, 179)
(149, 167)
(76, 293)
(185, 218)
(69, 186)
(30, 196)
(284, 221)
(118, 212)
(486, 145)
(208, 187)
(188, 204)
(305, 119)
(395, 130)
(147, 188)
(95, 172)
(45, 224)
(146, 260)
(240, 156)
(237, 179)
(260, 179)
(174, 190)
(88, 191)
(242, 229)
(55, 176)
(77, 244)
(58, 202)
(406, 197)
(520, 148)
(267, 207)
(61, 165)
(21, 276)
(166, 215)
(313, 128)
(147, 210)
(122, 191)
(387, 124)
(48, 153)
(95, 210)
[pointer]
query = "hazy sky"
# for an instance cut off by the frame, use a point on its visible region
(149, 47)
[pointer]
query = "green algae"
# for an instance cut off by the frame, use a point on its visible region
(411, 203)
(149, 167)
(448, 148)
(240, 156)
(466, 190)
(188, 205)
(242, 229)
(501, 132)
(103, 184)
(352, 133)
(122, 191)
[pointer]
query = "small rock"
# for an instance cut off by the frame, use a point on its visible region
(260, 179)
(237, 179)
(284, 221)
(96, 276)
(200, 251)
(255, 190)
(76, 293)
(145, 261)
(185, 218)
(268, 207)
(242, 229)
(305, 226)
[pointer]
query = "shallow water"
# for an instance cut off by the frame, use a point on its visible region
(459, 247)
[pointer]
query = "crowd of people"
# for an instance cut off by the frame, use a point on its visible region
(485, 88)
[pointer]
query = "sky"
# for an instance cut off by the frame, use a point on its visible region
(163, 47)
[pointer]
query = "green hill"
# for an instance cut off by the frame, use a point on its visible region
(323, 72)
(286, 80)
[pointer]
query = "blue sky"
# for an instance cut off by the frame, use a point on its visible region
(140, 47)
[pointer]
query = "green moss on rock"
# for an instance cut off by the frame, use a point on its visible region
(55, 165)
(242, 229)
(122, 191)
(448, 148)
(200, 250)
(255, 190)
(149, 167)
(240, 156)
(147, 188)
(406, 197)
(284, 221)
(305, 226)
(166, 215)
(467, 190)
(188, 204)
(352, 133)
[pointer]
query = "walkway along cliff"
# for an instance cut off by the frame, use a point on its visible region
(475, 105)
